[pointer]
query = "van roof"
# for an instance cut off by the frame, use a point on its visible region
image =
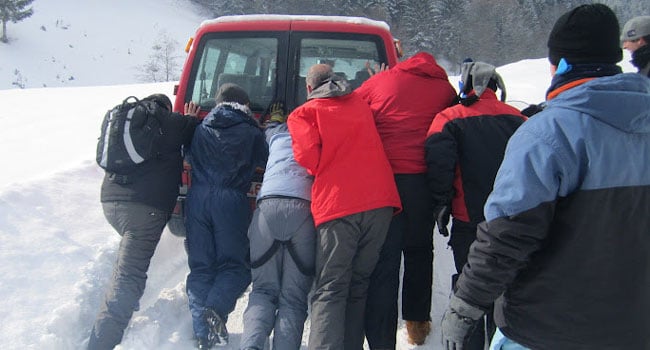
(289, 18)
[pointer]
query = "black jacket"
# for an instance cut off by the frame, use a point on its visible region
(463, 150)
(156, 181)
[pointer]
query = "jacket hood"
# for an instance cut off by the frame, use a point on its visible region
(422, 64)
(228, 114)
(622, 101)
(334, 86)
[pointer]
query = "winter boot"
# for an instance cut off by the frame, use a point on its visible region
(417, 331)
(217, 331)
(203, 344)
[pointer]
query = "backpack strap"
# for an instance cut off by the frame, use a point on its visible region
(302, 266)
(267, 255)
(126, 100)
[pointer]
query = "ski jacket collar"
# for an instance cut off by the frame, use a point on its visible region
(332, 87)
(228, 114)
(641, 57)
(578, 74)
(598, 97)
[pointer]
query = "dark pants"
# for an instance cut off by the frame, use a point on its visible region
(347, 251)
(217, 252)
(416, 223)
(463, 235)
(418, 246)
(381, 305)
(140, 227)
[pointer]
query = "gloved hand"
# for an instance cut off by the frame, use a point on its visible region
(533, 109)
(277, 113)
(442, 219)
(459, 321)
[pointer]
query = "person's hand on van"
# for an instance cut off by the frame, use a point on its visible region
(376, 68)
(191, 109)
(277, 113)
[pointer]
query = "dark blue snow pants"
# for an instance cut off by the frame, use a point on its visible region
(218, 253)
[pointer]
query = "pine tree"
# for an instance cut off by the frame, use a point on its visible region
(14, 11)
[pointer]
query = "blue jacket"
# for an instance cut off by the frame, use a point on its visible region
(283, 176)
(567, 233)
(226, 149)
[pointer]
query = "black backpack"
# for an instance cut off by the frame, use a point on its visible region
(130, 136)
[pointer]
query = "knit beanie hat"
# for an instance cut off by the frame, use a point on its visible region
(478, 76)
(230, 92)
(160, 99)
(586, 34)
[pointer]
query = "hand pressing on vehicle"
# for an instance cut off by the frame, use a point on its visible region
(376, 68)
(277, 113)
(191, 109)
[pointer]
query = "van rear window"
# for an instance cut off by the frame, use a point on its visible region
(245, 61)
(347, 55)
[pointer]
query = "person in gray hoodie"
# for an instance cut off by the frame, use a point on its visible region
(282, 246)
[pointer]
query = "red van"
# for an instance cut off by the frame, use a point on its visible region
(268, 56)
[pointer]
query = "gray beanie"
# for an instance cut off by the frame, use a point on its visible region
(636, 28)
(480, 74)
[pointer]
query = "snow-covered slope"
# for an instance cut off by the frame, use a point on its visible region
(93, 42)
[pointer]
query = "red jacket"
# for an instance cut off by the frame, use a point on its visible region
(404, 100)
(335, 139)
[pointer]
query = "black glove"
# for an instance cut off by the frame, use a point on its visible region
(533, 109)
(442, 219)
(458, 323)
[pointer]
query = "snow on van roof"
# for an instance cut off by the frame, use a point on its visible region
(270, 17)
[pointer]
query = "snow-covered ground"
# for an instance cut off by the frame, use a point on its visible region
(56, 249)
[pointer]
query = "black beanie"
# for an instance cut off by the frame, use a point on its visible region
(230, 92)
(160, 99)
(586, 34)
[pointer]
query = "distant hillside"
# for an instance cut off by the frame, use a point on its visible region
(87, 43)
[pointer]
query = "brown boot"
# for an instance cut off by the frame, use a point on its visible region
(417, 331)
